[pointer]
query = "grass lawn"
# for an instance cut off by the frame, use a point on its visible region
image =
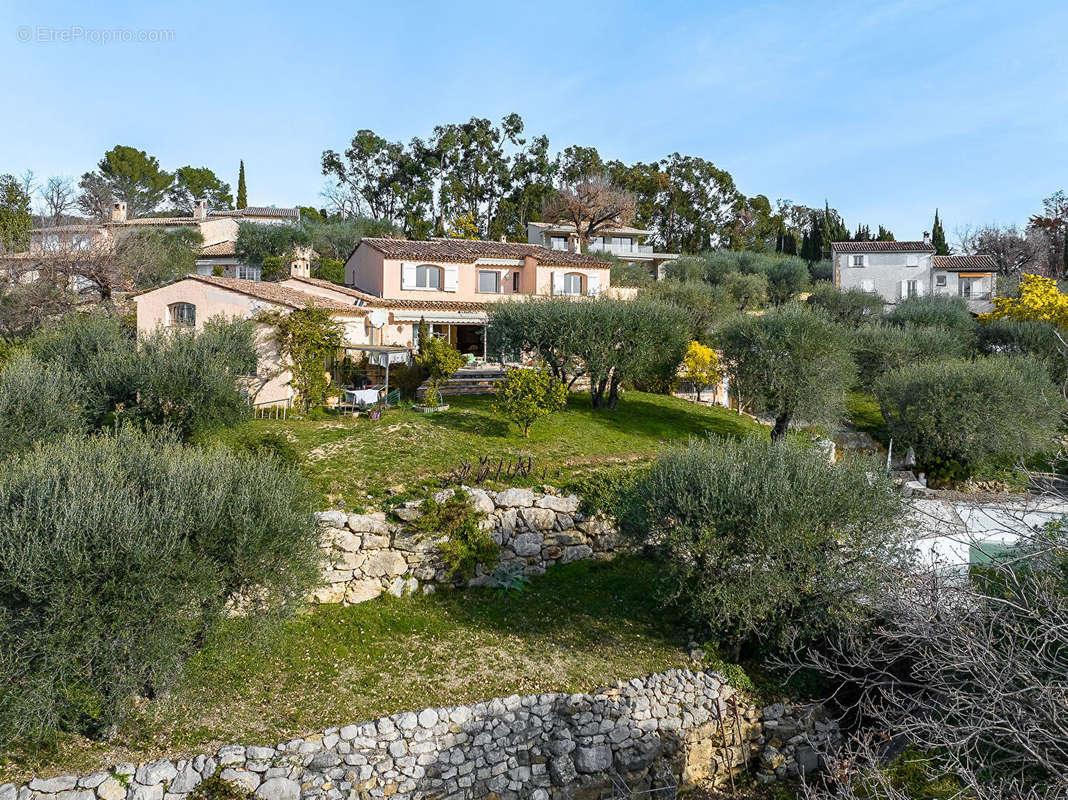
(863, 411)
(351, 459)
(579, 627)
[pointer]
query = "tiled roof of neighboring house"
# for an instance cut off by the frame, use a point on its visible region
(168, 221)
(387, 302)
(965, 263)
(257, 211)
(567, 227)
(883, 247)
(281, 295)
(218, 249)
(467, 251)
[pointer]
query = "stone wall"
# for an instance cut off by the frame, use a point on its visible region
(367, 554)
(539, 746)
(797, 738)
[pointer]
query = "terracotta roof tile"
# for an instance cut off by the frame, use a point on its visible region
(882, 247)
(965, 263)
(257, 211)
(275, 293)
(467, 251)
(386, 302)
(218, 249)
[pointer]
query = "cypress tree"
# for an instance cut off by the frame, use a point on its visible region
(242, 193)
(825, 233)
(938, 237)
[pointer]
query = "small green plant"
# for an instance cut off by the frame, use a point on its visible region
(215, 787)
(306, 339)
(440, 359)
(465, 544)
(525, 395)
(509, 579)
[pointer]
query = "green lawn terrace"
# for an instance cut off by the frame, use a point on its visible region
(362, 461)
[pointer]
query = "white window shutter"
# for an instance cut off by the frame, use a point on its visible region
(593, 285)
(407, 276)
(919, 288)
(451, 278)
(904, 289)
(558, 283)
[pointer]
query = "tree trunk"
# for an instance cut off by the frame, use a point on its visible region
(613, 393)
(782, 425)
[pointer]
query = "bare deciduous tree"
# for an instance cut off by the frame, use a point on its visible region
(1014, 251)
(591, 206)
(59, 198)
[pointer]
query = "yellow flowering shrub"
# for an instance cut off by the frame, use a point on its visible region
(1038, 299)
(701, 367)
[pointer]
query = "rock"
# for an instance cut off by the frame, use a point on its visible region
(577, 552)
(562, 770)
(231, 754)
(428, 718)
(7, 791)
(527, 544)
(594, 758)
(187, 780)
(396, 588)
(333, 593)
(92, 781)
(156, 772)
(774, 711)
(61, 783)
(279, 789)
(385, 564)
(507, 524)
(248, 780)
(348, 542)
(363, 523)
(349, 560)
(515, 498)
(111, 789)
(539, 519)
(565, 505)
(333, 519)
(139, 792)
(481, 501)
(409, 511)
(375, 541)
(76, 794)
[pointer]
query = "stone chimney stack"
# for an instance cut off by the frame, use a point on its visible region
(926, 237)
(504, 239)
(573, 243)
(200, 209)
(118, 211)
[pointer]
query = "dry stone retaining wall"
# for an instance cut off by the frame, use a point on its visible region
(540, 746)
(367, 554)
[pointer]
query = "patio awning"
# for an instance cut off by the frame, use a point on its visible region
(442, 317)
(380, 355)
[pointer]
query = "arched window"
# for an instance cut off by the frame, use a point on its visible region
(182, 315)
(428, 277)
(573, 283)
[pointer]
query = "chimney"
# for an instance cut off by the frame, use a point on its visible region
(926, 237)
(118, 211)
(573, 243)
(504, 239)
(300, 268)
(200, 209)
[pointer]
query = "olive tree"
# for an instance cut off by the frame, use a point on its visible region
(759, 538)
(793, 362)
(957, 414)
(879, 349)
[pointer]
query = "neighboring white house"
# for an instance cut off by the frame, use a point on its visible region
(622, 241)
(899, 270)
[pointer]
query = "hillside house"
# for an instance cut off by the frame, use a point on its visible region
(622, 241)
(899, 270)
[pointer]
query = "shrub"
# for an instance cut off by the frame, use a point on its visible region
(464, 544)
(440, 360)
(700, 367)
(821, 270)
(851, 308)
(786, 278)
(879, 349)
(793, 362)
(306, 338)
(1036, 299)
(118, 553)
(762, 538)
(37, 403)
(937, 310)
(1026, 337)
(747, 290)
(958, 414)
(707, 305)
(526, 395)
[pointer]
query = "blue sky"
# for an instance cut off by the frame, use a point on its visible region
(885, 109)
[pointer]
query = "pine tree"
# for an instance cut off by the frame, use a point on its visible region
(938, 237)
(884, 235)
(242, 192)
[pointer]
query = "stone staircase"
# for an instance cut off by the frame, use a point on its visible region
(469, 380)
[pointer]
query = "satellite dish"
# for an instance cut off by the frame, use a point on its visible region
(377, 318)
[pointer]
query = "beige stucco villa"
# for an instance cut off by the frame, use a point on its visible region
(392, 285)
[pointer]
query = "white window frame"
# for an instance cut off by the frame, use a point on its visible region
(941, 281)
(858, 261)
(177, 313)
(558, 243)
(422, 277)
(570, 277)
(912, 288)
(496, 281)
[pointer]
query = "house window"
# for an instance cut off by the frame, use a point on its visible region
(858, 261)
(558, 242)
(427, 277)
(182, 315)
(622, 244)
(940, 280)
(911, 289)
(489, 282)
(969, 286)
(515, 281)
(248, 273)
(51, 241)
(572, 283)
(80, 241)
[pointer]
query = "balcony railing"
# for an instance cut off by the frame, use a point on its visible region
(621, 249)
